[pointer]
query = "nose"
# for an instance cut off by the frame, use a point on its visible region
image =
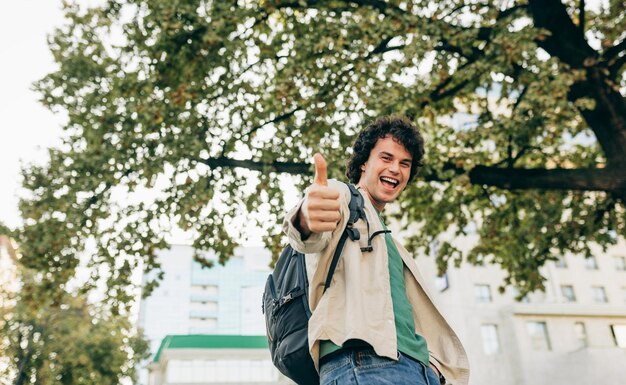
(394, 167)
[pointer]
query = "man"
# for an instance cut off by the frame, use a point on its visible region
(375, 324)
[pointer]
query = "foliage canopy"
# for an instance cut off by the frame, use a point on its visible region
(67, 341)
(522, 104)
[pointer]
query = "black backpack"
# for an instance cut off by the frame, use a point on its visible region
(286, 304)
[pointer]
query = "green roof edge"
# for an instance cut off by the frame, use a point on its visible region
(210, 341)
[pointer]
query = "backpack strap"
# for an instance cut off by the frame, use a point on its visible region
(357, 212)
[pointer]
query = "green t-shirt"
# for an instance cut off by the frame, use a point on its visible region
(409, 343)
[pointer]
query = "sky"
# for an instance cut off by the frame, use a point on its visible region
(27, 127)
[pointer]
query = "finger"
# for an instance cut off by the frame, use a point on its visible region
(325, 216)
(329, 193)
(320, 227)
(321, 192)
(321, 177)
(324, 204)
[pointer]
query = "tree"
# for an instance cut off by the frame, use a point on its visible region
(71, 342)
(188, 96)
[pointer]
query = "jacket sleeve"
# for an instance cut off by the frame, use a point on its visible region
(315, 243)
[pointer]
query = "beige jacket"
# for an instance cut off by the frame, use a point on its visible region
(358, 305)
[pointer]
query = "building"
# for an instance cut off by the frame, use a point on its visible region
(220, 300)
(9, 285)
(9, 280)
(574, 333)
(194, 307)
(215, 360)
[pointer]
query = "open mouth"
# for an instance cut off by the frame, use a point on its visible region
(389, 182)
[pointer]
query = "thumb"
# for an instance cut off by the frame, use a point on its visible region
(321, 177)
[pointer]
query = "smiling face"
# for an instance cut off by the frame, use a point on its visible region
(386, 172)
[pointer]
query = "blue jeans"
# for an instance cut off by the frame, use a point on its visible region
(364, 367)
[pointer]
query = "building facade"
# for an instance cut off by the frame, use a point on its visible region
(9, 279)
(206, 305)
(214, 360)
(192, 300)
(573, 333)
(9, 285)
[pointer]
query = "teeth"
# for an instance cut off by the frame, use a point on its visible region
(394, 182)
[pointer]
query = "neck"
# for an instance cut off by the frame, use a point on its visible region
(377, 205)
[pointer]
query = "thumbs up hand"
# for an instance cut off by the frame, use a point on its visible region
(320, 210)
(321, 176)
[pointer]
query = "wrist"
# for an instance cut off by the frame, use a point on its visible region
(301, 225)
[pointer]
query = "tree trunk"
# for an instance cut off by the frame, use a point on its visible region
(608, 118)
(567, 43)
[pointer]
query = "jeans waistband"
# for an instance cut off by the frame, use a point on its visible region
(363, 349)
(344, 350)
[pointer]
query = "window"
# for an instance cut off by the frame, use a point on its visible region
(482, 293)
(561, 262)
(620, 263)
(599, 294)
(591, 263)
(581, 334)
(619, 335)
(538, 333)
(491, 344)
(204, 293)
(210, 289)
(206, 306)
(567, 291)
(202, 325)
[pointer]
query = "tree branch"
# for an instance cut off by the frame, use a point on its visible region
(615, 65)
(21, 376)
(581, 16)
(295, 168)
(440, 92)
(612, 52)
(565, 40)
(275, 120)
(520, 98)
(447, 47)
(568, 44)
(484, 33)
(608, 118)
(599, 179)
(383, 47)
(609, 180)
(380, 5)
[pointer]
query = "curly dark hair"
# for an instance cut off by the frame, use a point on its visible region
(401, 129)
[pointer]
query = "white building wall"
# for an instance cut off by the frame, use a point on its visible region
(518, 363)
(9, 281)
(9, 285)
(189, 300)
(167, 310)
(216, 367)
